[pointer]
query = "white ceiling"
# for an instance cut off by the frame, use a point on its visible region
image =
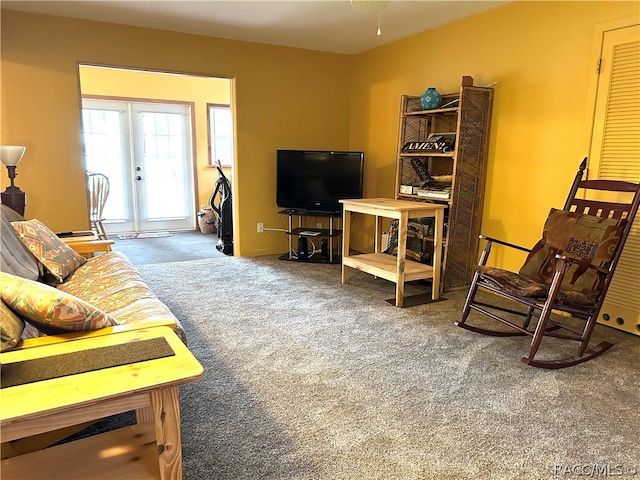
(325, 25)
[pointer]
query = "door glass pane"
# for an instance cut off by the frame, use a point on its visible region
(164, 165)
(103, 154)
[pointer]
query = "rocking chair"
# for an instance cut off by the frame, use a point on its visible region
(568, 271)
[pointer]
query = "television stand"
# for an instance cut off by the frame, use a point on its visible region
(318, 254)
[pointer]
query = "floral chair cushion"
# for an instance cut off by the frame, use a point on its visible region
(512, 282)
(49, 309)
(56, 256)
(588, 239)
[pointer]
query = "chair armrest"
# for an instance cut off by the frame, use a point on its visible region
(506, 244)
(92, 246)
(68, 337)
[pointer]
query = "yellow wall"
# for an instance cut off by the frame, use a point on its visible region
(284, 98)
(541, 55)
(138, 85)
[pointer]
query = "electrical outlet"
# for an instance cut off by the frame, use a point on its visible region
(260, 227)
(318, 225)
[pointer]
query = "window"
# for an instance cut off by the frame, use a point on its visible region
(220, 134)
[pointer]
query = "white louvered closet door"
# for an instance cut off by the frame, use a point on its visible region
(615, 154)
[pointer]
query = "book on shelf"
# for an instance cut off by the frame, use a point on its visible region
(408, 189)
(440, 194)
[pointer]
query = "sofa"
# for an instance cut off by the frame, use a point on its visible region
(52, 293)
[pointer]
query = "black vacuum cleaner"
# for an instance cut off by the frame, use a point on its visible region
(224, 211)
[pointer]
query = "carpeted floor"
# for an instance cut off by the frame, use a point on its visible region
(306, 378)
(180, 246)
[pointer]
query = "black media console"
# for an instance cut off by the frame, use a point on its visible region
(315, 245)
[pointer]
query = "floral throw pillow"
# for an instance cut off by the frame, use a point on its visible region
(55, 255)
(49, 309)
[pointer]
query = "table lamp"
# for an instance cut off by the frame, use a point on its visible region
(12, 196)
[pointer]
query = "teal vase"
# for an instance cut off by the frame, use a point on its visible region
(430, 99)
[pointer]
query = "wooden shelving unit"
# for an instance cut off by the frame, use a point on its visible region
(465, 165)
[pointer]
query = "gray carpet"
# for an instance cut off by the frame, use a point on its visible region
(306, 378)
(179, 247)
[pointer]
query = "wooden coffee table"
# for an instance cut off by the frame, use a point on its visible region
(150, 449)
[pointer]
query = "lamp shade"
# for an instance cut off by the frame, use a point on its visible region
(11, 154)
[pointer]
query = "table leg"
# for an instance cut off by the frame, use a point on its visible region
(437, 254)
(330, 240)
(346, 234)
(166, 414)
(402, 251)
(290, 236)
(378, 235)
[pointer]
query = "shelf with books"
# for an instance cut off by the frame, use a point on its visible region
(463, 117)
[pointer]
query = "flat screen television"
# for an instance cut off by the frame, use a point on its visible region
(316, 180)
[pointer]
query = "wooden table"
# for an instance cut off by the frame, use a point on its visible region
(398, 269)
(150, 449)
(88, 243)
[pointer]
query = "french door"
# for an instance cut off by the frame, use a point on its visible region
(145, 149)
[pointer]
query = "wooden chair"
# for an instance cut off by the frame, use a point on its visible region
(98, 190)
(568, 271)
